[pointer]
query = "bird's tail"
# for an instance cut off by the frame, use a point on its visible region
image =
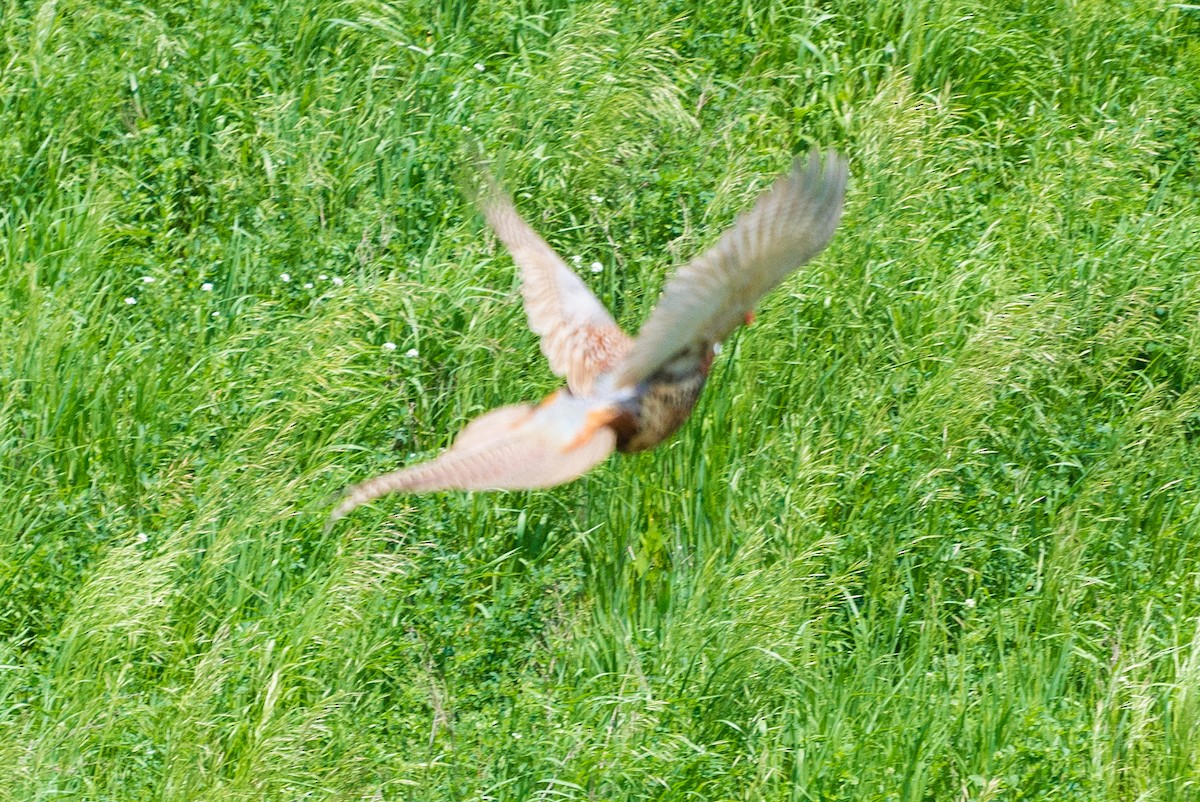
(520, 447)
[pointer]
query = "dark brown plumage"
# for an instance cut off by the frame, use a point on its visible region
(623, 393)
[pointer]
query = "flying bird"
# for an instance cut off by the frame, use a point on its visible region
(623, 393)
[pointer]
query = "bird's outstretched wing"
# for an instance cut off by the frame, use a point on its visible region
(711, 295)
(579, 337)
(519, 447)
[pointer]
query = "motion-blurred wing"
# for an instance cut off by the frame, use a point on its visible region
(518, 447)
(711, 295)
(579, 336)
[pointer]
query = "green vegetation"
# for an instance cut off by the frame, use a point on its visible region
(933, 533)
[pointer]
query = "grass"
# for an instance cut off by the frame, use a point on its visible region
(932, 534)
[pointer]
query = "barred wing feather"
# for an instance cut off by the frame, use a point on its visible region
(578, 335)
(711, 295)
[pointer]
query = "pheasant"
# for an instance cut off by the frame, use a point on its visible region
(622, 393)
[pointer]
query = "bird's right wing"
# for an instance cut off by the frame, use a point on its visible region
(711, 295)
(579, 337)
(519, 447)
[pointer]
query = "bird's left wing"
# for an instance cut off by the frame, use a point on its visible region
(711, 295)
(579, 337)
(519, 447)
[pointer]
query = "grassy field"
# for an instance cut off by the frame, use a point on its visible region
(933, 533)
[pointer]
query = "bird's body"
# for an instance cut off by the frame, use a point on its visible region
(623, 394)
(658, 408)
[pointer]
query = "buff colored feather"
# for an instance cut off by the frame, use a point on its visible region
(711, 295)
(623, 393)
(579, 337)
(516, 447)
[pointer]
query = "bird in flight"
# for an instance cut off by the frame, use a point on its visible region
(625, 394)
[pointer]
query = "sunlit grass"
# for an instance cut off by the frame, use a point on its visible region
(931, 535)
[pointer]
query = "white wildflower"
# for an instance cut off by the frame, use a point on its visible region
(322, 277)
(308, 285)
(412, 353)
(597, 267)
(969, 604)
(577, 259)
(131, 301)
(337, 281)
(479, 67)
(389, 346)
(206, 287)
(147, 279)
(284, 277)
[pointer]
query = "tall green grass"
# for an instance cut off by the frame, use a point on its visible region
(933, 533)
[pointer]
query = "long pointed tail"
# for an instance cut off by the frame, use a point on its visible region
(519, 447)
